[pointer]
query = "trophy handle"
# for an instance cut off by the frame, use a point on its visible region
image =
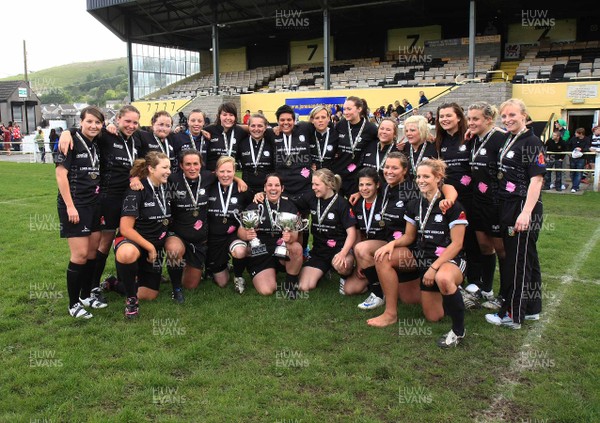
(261, 213)
(237, 216)
(302, 224)
(274, 215)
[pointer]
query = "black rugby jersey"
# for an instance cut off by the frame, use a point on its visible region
(190, 221)
(348, 160)
(331, 231)
(117, 154)
(519, 163)
(221, 144)
(323, 148)
(255, 167)
(185, 141)
(82, 164)
(219, 223)
(374, 155)
(435, 236)
(292, 158)
(484, 166)
(151, 209)
(457, 157)
(424, 151)
(153, 143)
(370, 214)
(396, 199)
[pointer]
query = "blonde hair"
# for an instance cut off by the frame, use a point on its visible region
(395, 126)
(438, 168)
(422, 125)
(514, 102)
(330, 179)
(225, 159)
(317, 109)
(487, 110)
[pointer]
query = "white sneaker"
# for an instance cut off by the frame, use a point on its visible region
(239, 284)
(93, 302)
(471, 300)
(563, 187)
(551, 186)
(372, 301)
(532, 316)
(78, 312)
(492, 304)
(507, 321)
(342, 284)
(450, 340)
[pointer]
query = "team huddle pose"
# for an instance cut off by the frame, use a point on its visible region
(398, 220)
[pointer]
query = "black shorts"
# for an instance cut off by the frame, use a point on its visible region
(460, 262)
(149, 274)
(110, 211)
(89, 221)
(218, 252)
(321, 258)
(408, 276)
(485, 218)
(263, 262)
(195, 252)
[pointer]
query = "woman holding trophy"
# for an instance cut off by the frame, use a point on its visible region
(271, 229)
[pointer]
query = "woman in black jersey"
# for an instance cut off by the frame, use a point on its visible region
(355, 133)
(117, 153)
(416, 132)
(376, 152)
(324, 143)
(160, 138)
(143, 231)
(188, 230)
(193, 137)
(485, 218)
(371, 235)
(398, 191)
(225, 201)
(292, 152)
(77, 177)
(264, 267)
(521, 172)
(432, 245)
(451, 126)
(225, 135)
(333, 227)
(256, 153)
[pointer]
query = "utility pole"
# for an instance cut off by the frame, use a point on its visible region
(25, 61)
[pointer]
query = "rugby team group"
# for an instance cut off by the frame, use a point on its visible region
(404, 218)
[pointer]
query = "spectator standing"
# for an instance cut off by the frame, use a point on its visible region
(5, 133)
(579, 144)
(16, 137)
(555, 161)
(422, 99)
(246, 117)
(39, 140)
(53, 139)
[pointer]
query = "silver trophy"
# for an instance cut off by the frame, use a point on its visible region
(250, 219)
(287, 222)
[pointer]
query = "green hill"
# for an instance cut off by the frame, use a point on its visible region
(90, 82)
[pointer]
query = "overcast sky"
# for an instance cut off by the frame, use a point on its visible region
(56, 33)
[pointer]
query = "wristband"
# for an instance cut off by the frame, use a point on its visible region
(434, 268)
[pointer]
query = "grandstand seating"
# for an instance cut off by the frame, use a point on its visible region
(560, 62)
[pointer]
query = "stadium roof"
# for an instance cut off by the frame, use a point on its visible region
(187, 24)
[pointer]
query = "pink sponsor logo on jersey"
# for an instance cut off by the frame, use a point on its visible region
(331, 243)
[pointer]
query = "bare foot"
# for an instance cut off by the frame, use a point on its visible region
(382, 321)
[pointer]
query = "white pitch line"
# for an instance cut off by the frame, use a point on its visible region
(511, 380)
